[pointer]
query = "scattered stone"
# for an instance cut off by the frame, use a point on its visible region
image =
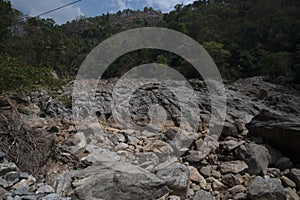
(45, 189)
(195, 176)
(230, 129)
(237, 189)
(2, 191)
(24, 183)
(231, 180)
(53, 129)
(7, 167)
(287, 182)
(291, 194)
(274, 172)
(9, 179)
(216, 174)
(206, 171)
(176, 177)
(147, 133)
(294, 175)
(256, 156)
(233, 167)
(284, 163)
(217, 185)
(231, 144)
(203, 195)
(22, 190)
(2, 156)
(54, 197)
(274, 153)
(121, 146)
(240, 196)
(265, 189)
(173, 197)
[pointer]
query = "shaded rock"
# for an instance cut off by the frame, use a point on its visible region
(278, 130)
(274, 153)
(240, 196)
(230, 129)
(231, 180)
(9, 179)
(2, 191)
(233, 167)
(2, 156)
(7, 167)
(203, 195)
(256, 156)
(265, 189)
(288, 182)
(284, 163)
(236, 189)
(294, 175)
(21, 191)
(176, 176)
(274, 172)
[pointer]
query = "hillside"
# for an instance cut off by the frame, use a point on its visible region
(157, 132)
(245, 38)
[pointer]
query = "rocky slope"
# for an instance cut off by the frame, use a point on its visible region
(255, 157)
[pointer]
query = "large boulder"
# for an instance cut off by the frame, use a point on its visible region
(281, 131)
(256, 156)
(176, 176)
(265, 189)
(115, 181)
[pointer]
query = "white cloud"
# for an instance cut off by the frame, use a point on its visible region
(121, 4)
(36, 7)
(166, 5)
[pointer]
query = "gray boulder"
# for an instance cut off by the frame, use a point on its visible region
(256, 156)
(281, 131)
(203, 195)
(265, 189)
(115, 181)
(294, 175)
(176, 177)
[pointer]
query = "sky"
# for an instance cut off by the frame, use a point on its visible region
(89, 8)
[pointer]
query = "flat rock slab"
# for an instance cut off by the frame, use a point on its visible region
(283, 132)
(233, 167)
(116, 181)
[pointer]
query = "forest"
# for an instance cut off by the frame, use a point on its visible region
(245, 38)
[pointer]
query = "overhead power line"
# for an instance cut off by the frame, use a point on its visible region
(50, 11)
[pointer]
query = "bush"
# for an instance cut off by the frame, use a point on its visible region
(16, 77)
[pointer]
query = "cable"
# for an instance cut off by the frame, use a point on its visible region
(58, 8)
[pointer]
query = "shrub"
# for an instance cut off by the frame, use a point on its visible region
(16, 77)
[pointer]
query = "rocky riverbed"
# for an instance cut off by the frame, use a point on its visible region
(44, 155)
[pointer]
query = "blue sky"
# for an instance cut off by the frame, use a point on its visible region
(89, 8)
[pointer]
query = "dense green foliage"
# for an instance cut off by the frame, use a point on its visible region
(244, 37)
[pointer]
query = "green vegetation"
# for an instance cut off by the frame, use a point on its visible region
(245, 38)
(24, 111)
(18, 77)
(67, 101)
